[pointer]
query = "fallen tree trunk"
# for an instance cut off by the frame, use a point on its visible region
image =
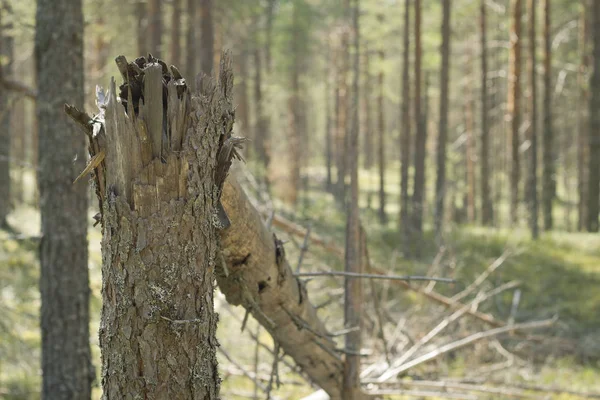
(258, 276)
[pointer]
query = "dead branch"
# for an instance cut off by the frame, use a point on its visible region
(374, 276)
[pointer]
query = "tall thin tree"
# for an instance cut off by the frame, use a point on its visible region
(487, 211)
(207, 37)
(418, 196)
(440, 183)
(405, 142)
(513, 106)
(67, 371)
(155, 26)
(548, 177)
(594, 134)
(582, 124)
(381, 144)
(176, 32)
(6, 55)
(351, 388)
(191, 41)
(532, 176)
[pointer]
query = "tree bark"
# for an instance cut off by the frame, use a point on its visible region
(67, 371)
(353, 296)
(594, 134)
(549, 179)
(328, 117)
(367, 132)
(532, 184)
(342, 108)
(260, 279)
(176, 32)
(405, 142)
(191, 42)
(207, 37)
(513, 106)
(6, 50)
(381, 134)
(487, 211)
(160, 216)
(440, 183)
(155, 23)
(582, 121)
(420, 142)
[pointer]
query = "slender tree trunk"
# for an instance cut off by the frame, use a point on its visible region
(513, 106)
(141, 14)
(294, 110)
(207, 37)
(440, 183)
(487, 211)
(342, 112)
(351, 388)
(260, 139)
(191, 42)
(67, 371)
(176, 32)
(243, 114)
(532, 184)
(381, 148)
(367, 133)
(269, 34)
(405, 142)
(549, 179)
(594, 134)
(328, 118)
(155, 29)
(6, 51)
(470, 145)
(420, 141)
(582, 134)
(160, 216)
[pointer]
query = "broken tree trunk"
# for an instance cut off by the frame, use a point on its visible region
(258, 277)
(160, 155)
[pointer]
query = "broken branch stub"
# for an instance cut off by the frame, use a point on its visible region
(159, 186)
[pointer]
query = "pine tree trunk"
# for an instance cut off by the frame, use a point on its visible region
(440, 183)
(487, 211)
(67, 371)
(242, 110)
(155, 23)
(420, 141)
(269, 34)
(294, 111)
(582, 131)
(353, 299)
(514, 108)
(381, 148)
(160, 225)
(342, 110)
(594, 134)
(549, 179)
(470, 146)
(261, 138)
(176, 32)
(405, 142)
(191, 42)
(207, 37)
(328, 118)
(532, 177)
(367, 132)
(141, 15)
(6, 52)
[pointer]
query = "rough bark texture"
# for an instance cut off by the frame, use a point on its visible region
(155, 22)
(513, 106)
(420, 142)
(6, 52)
(487, 211)
(159, 186)
(353, 296)
(67, 372)
(532, 176)
(548, 179)
(381, 145)
(582, 124)
(207, 38)
(440, 183)
(594, 135)
(405, 134)
(259, 278)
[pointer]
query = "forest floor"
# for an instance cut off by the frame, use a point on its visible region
(559, 275)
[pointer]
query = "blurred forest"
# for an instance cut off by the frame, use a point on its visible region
(454, 139)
